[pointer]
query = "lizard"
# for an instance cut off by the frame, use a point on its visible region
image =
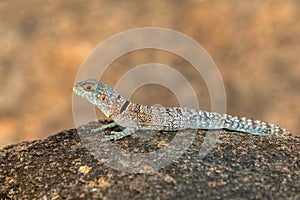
(134, 117)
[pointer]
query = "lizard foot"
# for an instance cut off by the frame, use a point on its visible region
(119, 135)
(114, 136)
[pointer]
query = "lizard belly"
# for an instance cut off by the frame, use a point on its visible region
(172, 119)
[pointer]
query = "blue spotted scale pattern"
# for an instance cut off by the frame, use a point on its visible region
(135, 117)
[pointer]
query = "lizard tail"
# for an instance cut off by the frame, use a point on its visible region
(255, 127)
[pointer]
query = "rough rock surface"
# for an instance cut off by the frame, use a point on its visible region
(238, 166)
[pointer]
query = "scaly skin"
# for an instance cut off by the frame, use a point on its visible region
(135, 117)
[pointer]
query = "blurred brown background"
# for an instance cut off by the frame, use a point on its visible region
(255, 45)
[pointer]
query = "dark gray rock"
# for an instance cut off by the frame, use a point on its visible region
(238, 166)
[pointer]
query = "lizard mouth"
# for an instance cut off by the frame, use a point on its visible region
(77, 90)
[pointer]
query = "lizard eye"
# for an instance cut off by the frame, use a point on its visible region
(88, 87)
(102, 97)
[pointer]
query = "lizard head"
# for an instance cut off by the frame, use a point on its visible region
(99, 94)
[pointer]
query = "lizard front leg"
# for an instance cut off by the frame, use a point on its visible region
(102, 128)
(119, 135)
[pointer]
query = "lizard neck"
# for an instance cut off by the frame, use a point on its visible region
(118, 107)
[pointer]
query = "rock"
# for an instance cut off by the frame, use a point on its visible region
(165, 165)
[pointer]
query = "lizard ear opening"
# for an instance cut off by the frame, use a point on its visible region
(102, 97)
(89, 87)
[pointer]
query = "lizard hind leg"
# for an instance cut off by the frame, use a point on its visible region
(119, 135)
